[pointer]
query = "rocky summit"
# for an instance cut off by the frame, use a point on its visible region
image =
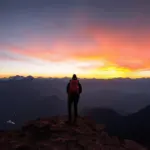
(56, 134)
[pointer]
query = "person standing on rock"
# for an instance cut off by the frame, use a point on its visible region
(74, 89)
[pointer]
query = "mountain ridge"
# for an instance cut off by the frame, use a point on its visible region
(53, 133)
(132, 126)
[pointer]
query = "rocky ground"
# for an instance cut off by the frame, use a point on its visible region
(55, 134)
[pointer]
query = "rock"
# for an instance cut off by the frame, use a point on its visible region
(22, 147)
(54, 134)
(100, 127)
(38, 130)
(105, 139)
(21, 135)
(115, 141)
(132, 145)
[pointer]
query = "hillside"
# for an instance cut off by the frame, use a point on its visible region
(134, 126)
(54, 134)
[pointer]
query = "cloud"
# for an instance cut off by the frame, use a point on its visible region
(17, 57)
(100, 50)
(4, 56)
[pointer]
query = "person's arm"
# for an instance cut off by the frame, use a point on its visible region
(80, 88)
(68, 87)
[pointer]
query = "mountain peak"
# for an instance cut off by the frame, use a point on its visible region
(53, 133)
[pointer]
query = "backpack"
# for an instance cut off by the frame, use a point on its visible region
(74, 87)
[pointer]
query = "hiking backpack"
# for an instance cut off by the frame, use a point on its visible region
(74, 87)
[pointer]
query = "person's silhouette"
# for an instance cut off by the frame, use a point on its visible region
(74, 89)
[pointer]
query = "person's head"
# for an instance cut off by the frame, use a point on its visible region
(74, 76)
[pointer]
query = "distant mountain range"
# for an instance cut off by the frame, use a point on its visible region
(17, 77)
(29, 77)
(20, 77)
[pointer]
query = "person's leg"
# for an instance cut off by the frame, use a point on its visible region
(76, 100)
(69, 108)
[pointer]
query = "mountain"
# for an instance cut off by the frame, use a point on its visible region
(25, 99)
(106, 115)
(134, 126)
(139, 122)
(122, 95)
(53, 133)
(116, 124)
(22, 110)
(17, 77)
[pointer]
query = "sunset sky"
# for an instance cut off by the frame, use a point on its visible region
(92, 38)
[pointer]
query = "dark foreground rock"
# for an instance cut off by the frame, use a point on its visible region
(55, 134)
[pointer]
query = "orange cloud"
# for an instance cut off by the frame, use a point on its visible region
(120, 51)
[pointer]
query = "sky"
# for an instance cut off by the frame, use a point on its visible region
(92, 38)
